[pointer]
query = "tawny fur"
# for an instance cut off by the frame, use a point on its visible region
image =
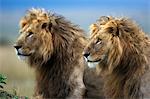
(57, 57)
(55, 47)
(124, 53)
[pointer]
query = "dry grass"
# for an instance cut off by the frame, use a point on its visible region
(19, 76)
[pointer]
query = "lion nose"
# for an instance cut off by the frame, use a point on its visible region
(17, 46)
(86, 54)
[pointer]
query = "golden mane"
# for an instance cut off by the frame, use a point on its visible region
(126, 61)
(58, 25)
(59, 63)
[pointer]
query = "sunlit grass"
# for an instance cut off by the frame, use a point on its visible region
(20, 77)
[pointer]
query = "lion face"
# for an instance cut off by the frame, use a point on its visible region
(97, 48)
(103, 39)
(34, 38)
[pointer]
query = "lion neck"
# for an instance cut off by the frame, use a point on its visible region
(55, 78)
(123, 81)
(52, 78)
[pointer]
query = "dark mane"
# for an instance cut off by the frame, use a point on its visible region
(54, 75)
(126, 72)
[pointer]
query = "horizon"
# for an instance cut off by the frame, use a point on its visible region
(80, 12)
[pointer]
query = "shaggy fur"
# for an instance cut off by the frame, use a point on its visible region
(94, 84)
(121, 50)
(53, 46)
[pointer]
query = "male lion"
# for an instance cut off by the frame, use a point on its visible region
(53, 46)
(120, 50)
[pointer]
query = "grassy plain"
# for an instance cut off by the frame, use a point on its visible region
(20, 77)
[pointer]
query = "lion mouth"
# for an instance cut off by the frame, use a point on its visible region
(19, 54)
(92, 61)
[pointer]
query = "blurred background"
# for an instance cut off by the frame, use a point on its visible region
(81, 12)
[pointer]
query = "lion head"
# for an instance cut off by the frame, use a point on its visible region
(35, 37)
(43, 34)
(109, 40)
(117, 49)
(104, 45)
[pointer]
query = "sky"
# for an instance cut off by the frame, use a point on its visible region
(80, 12)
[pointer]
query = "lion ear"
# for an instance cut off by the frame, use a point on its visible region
(94, 28)
(117, 32)
(50, 26)
(47, 26)
(22, 23)
(113, 30)
(44, 25)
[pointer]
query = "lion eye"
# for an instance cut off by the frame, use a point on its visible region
(30, 34)
(99, 41)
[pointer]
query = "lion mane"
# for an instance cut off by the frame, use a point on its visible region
(126, 62)
(59, 63)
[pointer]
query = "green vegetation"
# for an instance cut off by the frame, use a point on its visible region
(2, 80)
(4, 94)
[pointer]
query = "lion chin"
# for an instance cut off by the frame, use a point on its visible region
(21, 57)
(92, 64)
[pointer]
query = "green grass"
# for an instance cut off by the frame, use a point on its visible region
(6, 95)
(2, 80)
